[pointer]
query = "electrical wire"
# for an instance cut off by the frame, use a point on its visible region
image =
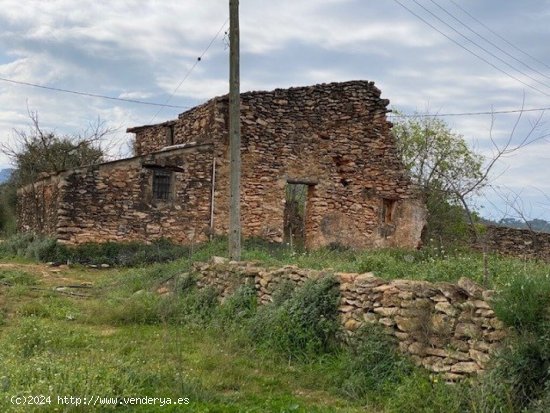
(76, 92)
(481, 47)
(489, 41)
(190, 70)
(468, 50)
(498, 35)
(494, 112)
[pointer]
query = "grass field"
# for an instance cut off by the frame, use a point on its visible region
(117, 337)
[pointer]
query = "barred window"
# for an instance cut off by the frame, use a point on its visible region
(162, 180)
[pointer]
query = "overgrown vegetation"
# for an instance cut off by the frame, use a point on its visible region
(133, 336)
(34, 247)
(522, 369)
(304, 324)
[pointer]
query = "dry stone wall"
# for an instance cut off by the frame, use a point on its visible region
(517, 242)
(196, 125)
(38, 204)
(114, 201)
(446, 328)
(335, 138)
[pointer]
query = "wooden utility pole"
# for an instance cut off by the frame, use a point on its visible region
(234, 133)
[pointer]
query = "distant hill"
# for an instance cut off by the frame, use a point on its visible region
(536, 224)
(5, 174)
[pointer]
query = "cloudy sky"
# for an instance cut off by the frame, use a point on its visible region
(441, 56)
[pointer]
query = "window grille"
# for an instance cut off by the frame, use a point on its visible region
(162, 180)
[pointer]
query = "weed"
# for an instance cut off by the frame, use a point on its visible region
(12, 277)
(524, 304)
(371, 365)
(305, 324)
(241, 305)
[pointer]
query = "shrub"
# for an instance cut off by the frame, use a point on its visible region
(304, 325)
(522, 368)
(241, 305)
(126, 254)
(16, 245)
(371, 364)
(520, 373)
(39, 248)
(46, 250)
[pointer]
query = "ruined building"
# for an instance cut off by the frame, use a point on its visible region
(319, 166)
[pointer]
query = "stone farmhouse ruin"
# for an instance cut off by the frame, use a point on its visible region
(319, 166)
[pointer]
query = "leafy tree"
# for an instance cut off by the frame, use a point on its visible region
(444, 168)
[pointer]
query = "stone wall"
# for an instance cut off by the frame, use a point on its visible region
(446, 328)
(196, 125)
(114, 201)
(37, 205)
(517, 242)
(334, 137)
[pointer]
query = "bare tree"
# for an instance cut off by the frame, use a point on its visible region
(38, 151)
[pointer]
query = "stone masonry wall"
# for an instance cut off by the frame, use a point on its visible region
(446, 328)
(114, 201)
(335, 137)
(195, 125)
(37, 206)
(517, 242)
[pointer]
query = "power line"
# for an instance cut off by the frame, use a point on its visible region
(488, 41)
(498, 35)
(494, 112)
(481, 47)
(76, 92)
(189, 71)
(468, 50)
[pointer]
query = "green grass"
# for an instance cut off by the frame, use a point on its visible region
(127, 340)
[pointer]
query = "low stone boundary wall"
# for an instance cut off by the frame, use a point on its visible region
(446, 328)
(516, 242)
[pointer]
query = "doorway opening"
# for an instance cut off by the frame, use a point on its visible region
(295, 215)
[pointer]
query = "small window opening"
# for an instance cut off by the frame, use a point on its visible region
(388, 210)
(169, 134)
(344, 182)
(162, 180)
